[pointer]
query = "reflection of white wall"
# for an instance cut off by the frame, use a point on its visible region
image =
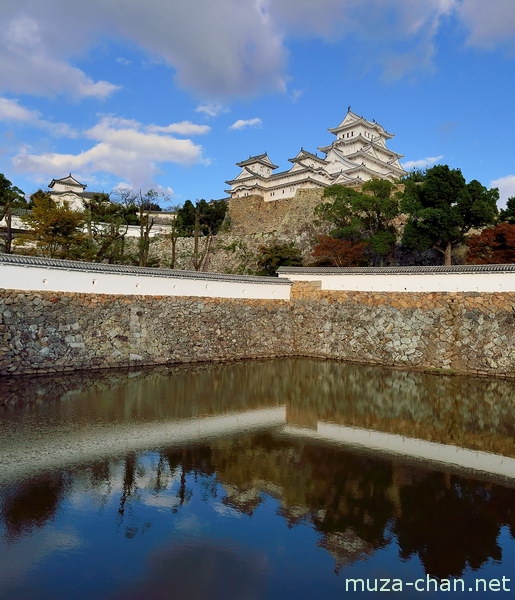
(407, 447)
(45, 278)
(411, 282)
(26, 453)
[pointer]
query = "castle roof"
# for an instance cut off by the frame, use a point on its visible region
(352, 119)
(359, 138)
(258, 158)
(306, 179)
(68, 180)
(362, 152)
(305, 154)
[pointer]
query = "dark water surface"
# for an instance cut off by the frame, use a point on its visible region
(250, 481)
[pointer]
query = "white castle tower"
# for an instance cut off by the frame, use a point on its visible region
(68, 190)
(358, 153)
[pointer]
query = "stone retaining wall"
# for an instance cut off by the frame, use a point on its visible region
(46, 332)
(468, 332)
(465, 332)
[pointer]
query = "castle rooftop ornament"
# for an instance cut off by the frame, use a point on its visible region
(358, 153)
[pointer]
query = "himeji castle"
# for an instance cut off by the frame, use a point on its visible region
(358, 153)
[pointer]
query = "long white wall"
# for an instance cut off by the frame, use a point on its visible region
(474, 281)
(49, 278)
(133, 231)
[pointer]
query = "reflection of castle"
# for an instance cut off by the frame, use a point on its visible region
(231, 447)
(354, 503)
(358, 153)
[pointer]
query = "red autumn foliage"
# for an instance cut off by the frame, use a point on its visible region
(495, 245)
(339, 253)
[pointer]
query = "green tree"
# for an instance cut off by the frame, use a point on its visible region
(442, 208)
(508, 214)
(136, 212)
(107, 224)
(275, 255)
(55, 230)
(186, 217)
(174, 235)
(201, 221)
(363, 216)
(11, 198)
(210, 216)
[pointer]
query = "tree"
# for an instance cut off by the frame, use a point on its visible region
(55, 230)
(146, 222)
(152, 207)
(210, 216)
(339, 253)
(508, 214)
(107, 224)
(175, 233)
(11, 198)
(271, 257)
(495, 245)
(135, 204)
(442, 208)
(186, 217)
(366, 216)
(202, 221)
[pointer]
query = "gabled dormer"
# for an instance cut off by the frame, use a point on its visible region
(307, 160)
(260, 164)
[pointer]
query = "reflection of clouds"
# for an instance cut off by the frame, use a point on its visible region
(20, 556)
(161, 501)
(226, 511)
(190, 524)
(206, 569)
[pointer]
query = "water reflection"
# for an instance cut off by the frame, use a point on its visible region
(228, 506)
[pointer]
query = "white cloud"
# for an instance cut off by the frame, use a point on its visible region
(217, 49)
(422, 163)
(489, 23)
(243, 123)
(31, 57)
(296, 95)
(11, 111)
(506, 187)
(227, 48)
(211, 109)
(182, 128)
(123, 148)
(382, 27)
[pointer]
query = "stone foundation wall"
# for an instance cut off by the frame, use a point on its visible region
(253, 215)
(46, 332)
(463, 332)
(468, 332)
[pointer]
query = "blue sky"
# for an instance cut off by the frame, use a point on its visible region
(170, 95)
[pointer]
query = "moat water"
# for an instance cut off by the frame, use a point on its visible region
(256, 481)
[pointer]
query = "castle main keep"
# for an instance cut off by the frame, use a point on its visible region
(358, 153)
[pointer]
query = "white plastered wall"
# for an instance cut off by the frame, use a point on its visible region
(39, 278)
(413, 282)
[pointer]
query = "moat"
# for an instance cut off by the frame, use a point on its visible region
(244, 481)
